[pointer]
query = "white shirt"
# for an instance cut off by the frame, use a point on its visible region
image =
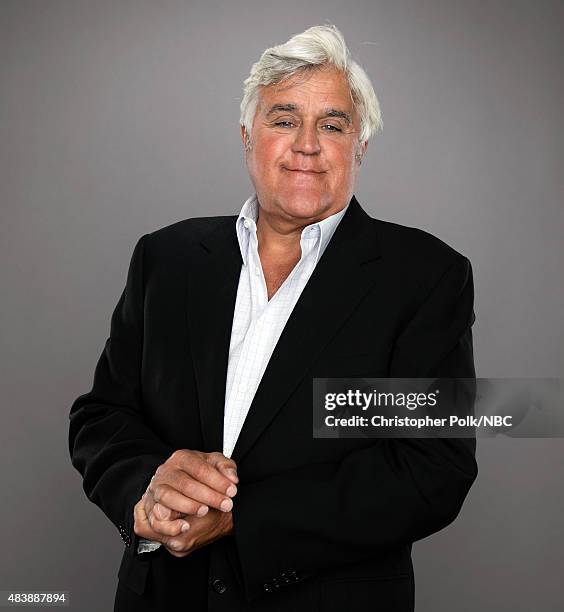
(257, 321)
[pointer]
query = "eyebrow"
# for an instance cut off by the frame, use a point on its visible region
(329, 112)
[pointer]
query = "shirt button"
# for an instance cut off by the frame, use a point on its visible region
(218, 586)
(246, 223)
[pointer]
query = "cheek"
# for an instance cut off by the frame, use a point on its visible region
(344, 165)
(271, 148)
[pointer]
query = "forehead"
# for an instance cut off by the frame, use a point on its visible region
(315, 89)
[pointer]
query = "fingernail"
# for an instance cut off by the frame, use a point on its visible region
(231, 490)
(202, 511)
(232, 474)
(174, 544)
(226, 505)
(185, 527)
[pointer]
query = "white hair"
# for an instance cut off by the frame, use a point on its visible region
(317, 47)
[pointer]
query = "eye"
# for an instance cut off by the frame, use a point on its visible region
(334, 128)
(283, 123)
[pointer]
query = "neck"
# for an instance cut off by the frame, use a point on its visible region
(278, 236)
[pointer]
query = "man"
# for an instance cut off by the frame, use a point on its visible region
(195, 439)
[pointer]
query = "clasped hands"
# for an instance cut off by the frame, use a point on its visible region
(188, 501)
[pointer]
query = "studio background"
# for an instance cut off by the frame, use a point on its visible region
(120, 117)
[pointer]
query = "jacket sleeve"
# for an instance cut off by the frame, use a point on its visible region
(380, 497)
(110, 443)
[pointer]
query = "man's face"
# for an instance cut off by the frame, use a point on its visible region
(304, 141)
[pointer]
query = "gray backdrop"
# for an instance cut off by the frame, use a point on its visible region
(120, 117)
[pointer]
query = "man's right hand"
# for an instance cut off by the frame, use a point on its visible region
(188, 483)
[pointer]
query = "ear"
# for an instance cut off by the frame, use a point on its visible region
(243, 131)
(360, 152)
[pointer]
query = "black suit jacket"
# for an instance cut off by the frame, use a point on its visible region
(319, 524)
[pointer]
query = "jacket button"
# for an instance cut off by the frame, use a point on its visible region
(218, 586)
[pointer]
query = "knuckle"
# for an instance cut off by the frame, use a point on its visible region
(159, 470)
(200, 470)
(189, 488)
(176, 456)
(164, 496)
(180, 454)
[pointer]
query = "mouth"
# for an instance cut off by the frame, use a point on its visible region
(304, 171)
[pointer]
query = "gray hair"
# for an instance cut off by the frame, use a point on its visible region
(312, 49)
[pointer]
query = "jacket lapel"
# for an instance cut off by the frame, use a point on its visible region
(212, 290)
(343, 275)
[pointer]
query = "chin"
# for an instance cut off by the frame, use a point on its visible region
(304, 204)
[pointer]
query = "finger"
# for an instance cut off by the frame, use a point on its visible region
(163, 513)
(141, 524)
(188, 496)
(196, 490)
(148, 502)
(226, 466)
(160, 511)
(183, 498)
(169, 528)
(202, 471)
(179, 546)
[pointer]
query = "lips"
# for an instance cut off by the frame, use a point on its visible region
(305, 170)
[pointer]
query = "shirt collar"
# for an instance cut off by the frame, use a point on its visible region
(246, 224)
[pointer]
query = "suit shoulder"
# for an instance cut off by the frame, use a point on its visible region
(189, 230)
(415, 245)
(171, 245)
(181, 237)
(421, 260)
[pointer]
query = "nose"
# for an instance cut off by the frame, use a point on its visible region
(306, 140)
